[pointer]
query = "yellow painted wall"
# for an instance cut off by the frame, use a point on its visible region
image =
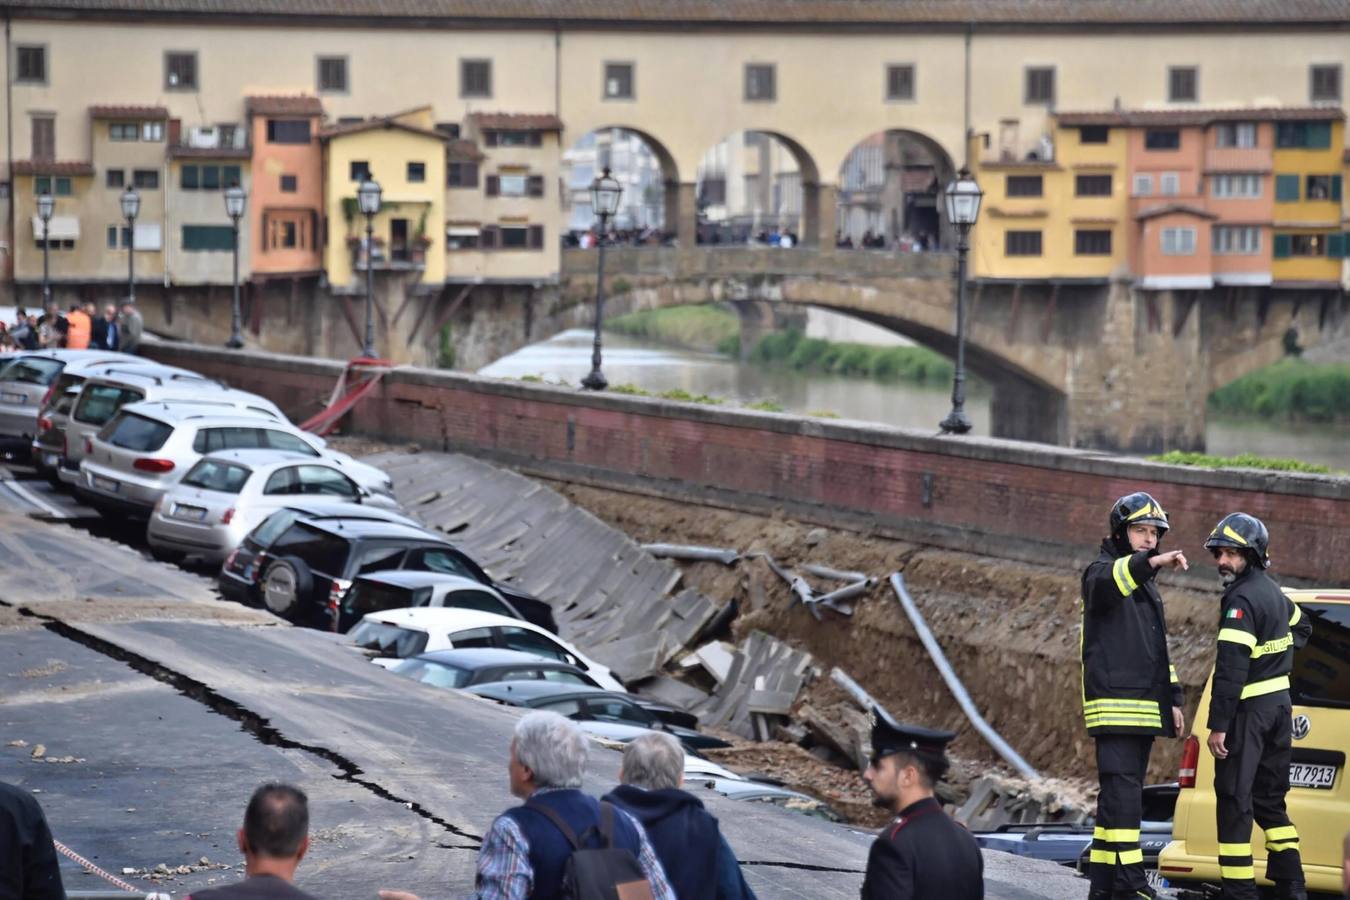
(1325, 161)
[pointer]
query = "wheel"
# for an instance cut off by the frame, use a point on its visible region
(167, 556)
(285, 584)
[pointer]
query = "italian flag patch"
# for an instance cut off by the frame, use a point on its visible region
(1234, 614)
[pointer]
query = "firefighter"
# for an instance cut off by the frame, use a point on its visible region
(1130, 689)
(1250, 713)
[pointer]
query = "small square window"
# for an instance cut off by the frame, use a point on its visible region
(62, 186)
(333, 74)
(618, 81)
(1169, 185)
(1022, 243)
(115, 178)
(124, 131)
(152, 131)
(1162, 139)
(42, 184)
(1183, 84)
(475, 78)
(1143, 185)
(462, 175)
(180, 71)
(1093, 134)
(449, 129)
(358, 170)
(1092, 242)
(417, 172)
(288, 184)
(231, 176)
(900, 82)
(1092, 186)
(1024, 186)
(31, 64)
(147, 179)
(760, 82)
(1040, 85)
(1325, 83)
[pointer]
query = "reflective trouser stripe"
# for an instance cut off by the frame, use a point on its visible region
(1238, 873)
(1131, 857)
(1235, 849)
(1116, 835)
(1281, 846)
(1268, 686)
(1281, 833)
(1107, 857)
(1120, 570)
(1172, 671)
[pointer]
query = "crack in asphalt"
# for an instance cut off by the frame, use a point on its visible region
(792, 865)
(252, 723)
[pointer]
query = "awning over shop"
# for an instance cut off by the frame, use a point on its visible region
(60, 228)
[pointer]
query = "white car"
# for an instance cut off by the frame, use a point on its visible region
(146, 447)
(30, 377)
(400, 633)
(226, 495)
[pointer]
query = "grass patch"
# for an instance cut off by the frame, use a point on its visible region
(766, 406)
(686, 397)
(794, 350)
(1290, 390)
(707, 328)
(632, 389)
(532, 379)
(823, 414)
(1241, 461)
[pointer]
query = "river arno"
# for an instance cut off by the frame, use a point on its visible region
(653, 367)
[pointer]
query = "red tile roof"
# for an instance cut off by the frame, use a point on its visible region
(463, 151)
(333, 131)
(1168, 209)
(1179, 117)
(51, 167)
(128, 112)
(517, 122)
(284, 105)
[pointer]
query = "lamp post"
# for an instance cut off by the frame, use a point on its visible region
(368, 196)
(963, 208)
(131, 208)
(234, 208)
(605, 193)
(46, 204)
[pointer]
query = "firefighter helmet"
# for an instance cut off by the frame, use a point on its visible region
(1138, 508)
(1243, 532)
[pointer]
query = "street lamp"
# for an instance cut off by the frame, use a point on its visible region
(46, 204)
(963, 208)
(368, 195)
(605, 193)
(234, 208)
(131, 208)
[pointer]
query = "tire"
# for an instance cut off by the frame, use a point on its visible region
(285, 587)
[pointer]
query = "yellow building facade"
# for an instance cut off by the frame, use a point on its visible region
(1309, 245)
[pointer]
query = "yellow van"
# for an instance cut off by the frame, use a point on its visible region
(1319, 797)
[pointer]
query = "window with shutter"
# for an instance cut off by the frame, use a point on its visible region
(44, 137)
(32, 65)
(489, 237)
(180, 71)
(188, 178)
(1283, 245)
(1286, 188)
(1325, 83)
(760, 82)
(535, 186)
(1040, 85)
(333, 74)
(536, 237)
(618, 81)
(1182, 84)
(1335, 187)
(1337, 245)
(475, 78)
(900, 82)
(493, 187)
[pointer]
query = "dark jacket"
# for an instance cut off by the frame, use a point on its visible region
(28, 865)
(924, 855)
(1259, 630)
(258, 887)
(106, 334)
(1129, 683)
(686, 838)
(549, 847)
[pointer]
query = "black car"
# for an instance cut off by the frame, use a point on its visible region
(585, 704)
(299, 563)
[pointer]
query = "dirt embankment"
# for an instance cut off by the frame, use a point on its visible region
(1011, 630)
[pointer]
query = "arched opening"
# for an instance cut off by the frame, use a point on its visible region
(757, 187)
(648, 206)
(890, 194)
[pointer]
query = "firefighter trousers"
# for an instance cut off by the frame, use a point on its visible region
(1252, 782)
(1116, 861)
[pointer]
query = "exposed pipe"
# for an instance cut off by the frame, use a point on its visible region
(837, 574)
(724, 555)
(995, 740)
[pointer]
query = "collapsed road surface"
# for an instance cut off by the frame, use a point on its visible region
(142, 711)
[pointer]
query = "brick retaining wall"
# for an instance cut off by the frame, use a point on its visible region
(1019, 500)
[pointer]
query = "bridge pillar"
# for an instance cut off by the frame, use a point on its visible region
(818, 215)
(682, 211)
(760, 318)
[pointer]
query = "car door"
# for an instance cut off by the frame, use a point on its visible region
(612, 709)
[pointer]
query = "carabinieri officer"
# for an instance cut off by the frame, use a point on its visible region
(924, 854)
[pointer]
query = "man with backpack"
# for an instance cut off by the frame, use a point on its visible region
(560, 844)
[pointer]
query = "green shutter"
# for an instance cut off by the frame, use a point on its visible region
(1336, 245)
(188, 178)
(231, 176)
(1283, 246)
(1286, 188)
(1335, 187)
(208, 237)
(1319, 135)
(42, 184)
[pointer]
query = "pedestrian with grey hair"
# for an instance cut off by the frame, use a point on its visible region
(525, 853)
(685, 836)
(274, 839)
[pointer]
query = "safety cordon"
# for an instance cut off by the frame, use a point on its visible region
(111, 879)
(357, 380)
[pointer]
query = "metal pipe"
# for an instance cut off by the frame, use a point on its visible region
(995, 740)
(848, 592)
(236, 332)
(724, 555)
(368, 350)
(837, 574)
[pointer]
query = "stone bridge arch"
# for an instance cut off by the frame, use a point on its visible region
(665, 159)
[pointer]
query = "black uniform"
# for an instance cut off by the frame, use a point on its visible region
(28, 863)
(1259, 629)
(1129, 689)
(924, 855)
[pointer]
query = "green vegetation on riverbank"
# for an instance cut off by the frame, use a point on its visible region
(1241, 461)
(707, 328)
(795, 350)
(1291, 389)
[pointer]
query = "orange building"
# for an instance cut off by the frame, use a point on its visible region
(286, 206)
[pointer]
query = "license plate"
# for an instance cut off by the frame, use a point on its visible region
(13, 398)
(1310, 776)
(191, 513)
(107, 484)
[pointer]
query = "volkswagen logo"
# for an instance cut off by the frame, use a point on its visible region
(1301, 727)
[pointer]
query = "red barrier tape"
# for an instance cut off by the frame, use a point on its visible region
(348, 392)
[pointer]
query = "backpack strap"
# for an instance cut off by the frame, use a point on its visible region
(606, 825)
(558, 822)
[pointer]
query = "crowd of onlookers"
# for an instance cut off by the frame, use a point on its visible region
(905, 243)
(708, 235)
(82, 327)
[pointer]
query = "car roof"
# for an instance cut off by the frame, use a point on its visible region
(81, 357)
(531, 691)
(486, 657)
(152, 374)
(219, 410)
(370, 528)
(447, 617)
(262, 459)
(415, 578)
(319, 509)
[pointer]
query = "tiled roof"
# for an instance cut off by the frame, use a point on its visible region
(178, 151)
(51, 167)
(333, 131)
(463, 151)
(1180, 117)
(128, 112)
(517, 122)
(291, 105)
(822, 12)
(1168, 209)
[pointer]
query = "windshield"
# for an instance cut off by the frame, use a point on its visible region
(388, 640)
(428, 672)
(215, 475)
(98, 402)
(32, 370)
(373, 596)
(134, 432)
(1321, 675)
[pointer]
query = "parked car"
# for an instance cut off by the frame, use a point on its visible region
(50, 443)
(146, 447)
(400, 633)
(468, 666)
(404, 589)
(28, 378)
(333, 549)
(226, 495)
(103, 394)
(588, 704)
(1318, 801)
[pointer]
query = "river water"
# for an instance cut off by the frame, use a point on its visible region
(566, 358)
